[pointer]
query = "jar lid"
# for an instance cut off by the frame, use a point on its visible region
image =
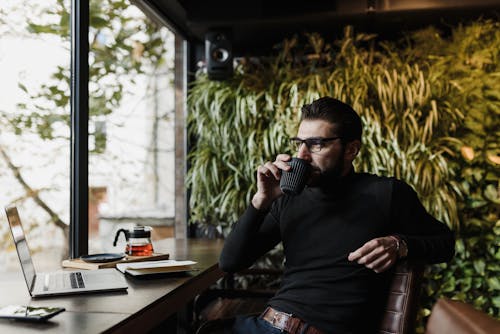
(140, 232)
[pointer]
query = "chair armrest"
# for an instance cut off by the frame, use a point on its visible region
(402, 301)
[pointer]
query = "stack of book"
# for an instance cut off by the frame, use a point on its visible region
(155, 267)
(81, 264)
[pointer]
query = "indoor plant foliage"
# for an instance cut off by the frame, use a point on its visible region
(426, 104)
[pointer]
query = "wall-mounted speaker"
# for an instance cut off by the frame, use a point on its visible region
(219, 54)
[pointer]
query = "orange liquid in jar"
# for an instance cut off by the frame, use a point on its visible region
(139, 250)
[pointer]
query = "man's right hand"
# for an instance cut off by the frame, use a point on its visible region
(268, 182)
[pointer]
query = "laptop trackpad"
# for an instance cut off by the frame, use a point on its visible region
(103, 278)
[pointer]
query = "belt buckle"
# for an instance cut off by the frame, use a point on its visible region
(275, 315)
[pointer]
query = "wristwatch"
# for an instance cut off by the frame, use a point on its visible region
(401, 247)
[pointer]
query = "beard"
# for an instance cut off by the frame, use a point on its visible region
(324, 178)
(333, 174)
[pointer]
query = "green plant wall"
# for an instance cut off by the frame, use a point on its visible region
(430, 106)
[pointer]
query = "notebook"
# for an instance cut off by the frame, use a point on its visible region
(61, 282)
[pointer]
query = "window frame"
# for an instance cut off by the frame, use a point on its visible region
(79, 111)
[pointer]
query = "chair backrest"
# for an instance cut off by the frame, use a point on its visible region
(402, 304)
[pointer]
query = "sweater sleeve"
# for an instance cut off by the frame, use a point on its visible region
(255, 233)
(427, 238)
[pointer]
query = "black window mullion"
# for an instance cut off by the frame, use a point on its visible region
(78, 238)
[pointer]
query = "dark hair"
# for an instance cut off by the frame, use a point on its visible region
(336, 112)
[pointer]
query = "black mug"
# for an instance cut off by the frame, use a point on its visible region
(293, 182)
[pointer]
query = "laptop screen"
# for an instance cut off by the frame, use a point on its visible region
(21, 245)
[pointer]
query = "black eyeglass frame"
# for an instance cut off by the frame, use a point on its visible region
(296, 142)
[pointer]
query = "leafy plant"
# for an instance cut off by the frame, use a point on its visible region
(406, 129)
(470, 62)
(425, 102)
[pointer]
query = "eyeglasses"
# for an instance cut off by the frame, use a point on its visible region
(314, 144)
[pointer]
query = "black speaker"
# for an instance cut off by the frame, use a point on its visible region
(219, 54)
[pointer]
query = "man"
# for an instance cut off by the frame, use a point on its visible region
(340, 236)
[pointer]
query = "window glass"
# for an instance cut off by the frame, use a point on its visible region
(131, 152)
(34, 132)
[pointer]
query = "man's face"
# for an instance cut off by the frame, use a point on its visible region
(330, 161)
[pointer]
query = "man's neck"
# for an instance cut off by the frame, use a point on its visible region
(332, 182)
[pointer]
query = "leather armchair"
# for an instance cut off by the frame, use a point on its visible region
(451, 316)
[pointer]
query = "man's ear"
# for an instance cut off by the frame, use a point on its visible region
(352, 149)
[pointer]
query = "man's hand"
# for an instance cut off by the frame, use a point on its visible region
(377, 254)
(268, 181)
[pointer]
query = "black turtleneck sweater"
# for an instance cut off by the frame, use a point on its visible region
(318, 229)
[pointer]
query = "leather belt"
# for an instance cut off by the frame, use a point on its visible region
(287, 322)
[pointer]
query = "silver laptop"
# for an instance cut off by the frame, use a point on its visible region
(62, 282)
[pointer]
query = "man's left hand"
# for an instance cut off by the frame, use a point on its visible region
(377, 254)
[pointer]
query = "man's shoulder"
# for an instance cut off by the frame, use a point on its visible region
(373, 181)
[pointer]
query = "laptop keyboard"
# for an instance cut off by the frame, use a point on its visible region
(60, 281)
(76, 280)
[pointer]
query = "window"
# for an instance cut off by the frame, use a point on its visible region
(131, 159)
(131, 150)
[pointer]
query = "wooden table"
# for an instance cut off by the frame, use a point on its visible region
(146, 304)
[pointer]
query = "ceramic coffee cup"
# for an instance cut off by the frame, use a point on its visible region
(293, 182)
